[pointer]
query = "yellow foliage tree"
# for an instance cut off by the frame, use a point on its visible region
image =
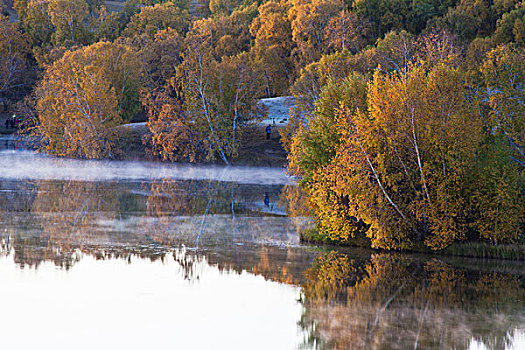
(272, 47)
(14, 47)
(173, 136)
(67, 16)
(347, 31)
(152, 19)
(81, 98)
(309, 21)
(416, 144)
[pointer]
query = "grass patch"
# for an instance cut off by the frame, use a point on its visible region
(487, 251)
(480, 250)
(313, 236)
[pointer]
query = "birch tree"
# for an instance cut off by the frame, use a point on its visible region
(220, 97)
(81, 100)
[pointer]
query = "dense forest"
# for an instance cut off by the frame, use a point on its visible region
(409, 123)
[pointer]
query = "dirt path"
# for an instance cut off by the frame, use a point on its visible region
(255, 149)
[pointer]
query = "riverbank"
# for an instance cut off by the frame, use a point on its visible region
(6, 129)
(254, 149)
(482, 250)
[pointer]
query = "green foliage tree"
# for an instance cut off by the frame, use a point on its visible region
(313, 148)
(412, 16)
(471, 18)
(510, 27)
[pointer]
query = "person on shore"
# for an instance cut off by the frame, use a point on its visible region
(268, 131)
(7, 123)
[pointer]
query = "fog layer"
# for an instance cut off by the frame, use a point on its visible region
(29, 165)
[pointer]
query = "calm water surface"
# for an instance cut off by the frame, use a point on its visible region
(141, 255)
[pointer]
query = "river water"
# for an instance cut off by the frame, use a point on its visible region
(135, 255)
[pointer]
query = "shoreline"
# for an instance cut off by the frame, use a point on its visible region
(256, 151)
(478, 250)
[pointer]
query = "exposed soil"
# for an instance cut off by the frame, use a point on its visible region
(254, 149)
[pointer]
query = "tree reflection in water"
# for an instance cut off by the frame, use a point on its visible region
(198, 222)
(396, 301)
(353, 300)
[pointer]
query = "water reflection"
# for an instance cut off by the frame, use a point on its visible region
(13, 143)
(227, 235)
(113, 304)
(392, 301)
(61, 221)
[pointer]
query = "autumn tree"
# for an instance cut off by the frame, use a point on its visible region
(224, 7)
(309, 22)
(425, 134)
(201, 111)
(400, 164)
(14, 48)
(83, 97)
(333, 67)
(68, 17)
(228, 35)
(273, 46)
(220, 97)
(312, 150)
(55, 21)
(152, 19)
(107, 26)
(232, 33)
(307, 89)
(395, 51)
(173, 136)
(160, 58)
(35, 20)
(347, 31)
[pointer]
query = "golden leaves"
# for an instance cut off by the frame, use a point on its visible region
(80, 100)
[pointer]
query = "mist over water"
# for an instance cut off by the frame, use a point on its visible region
(210, 257)
(28, 165)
